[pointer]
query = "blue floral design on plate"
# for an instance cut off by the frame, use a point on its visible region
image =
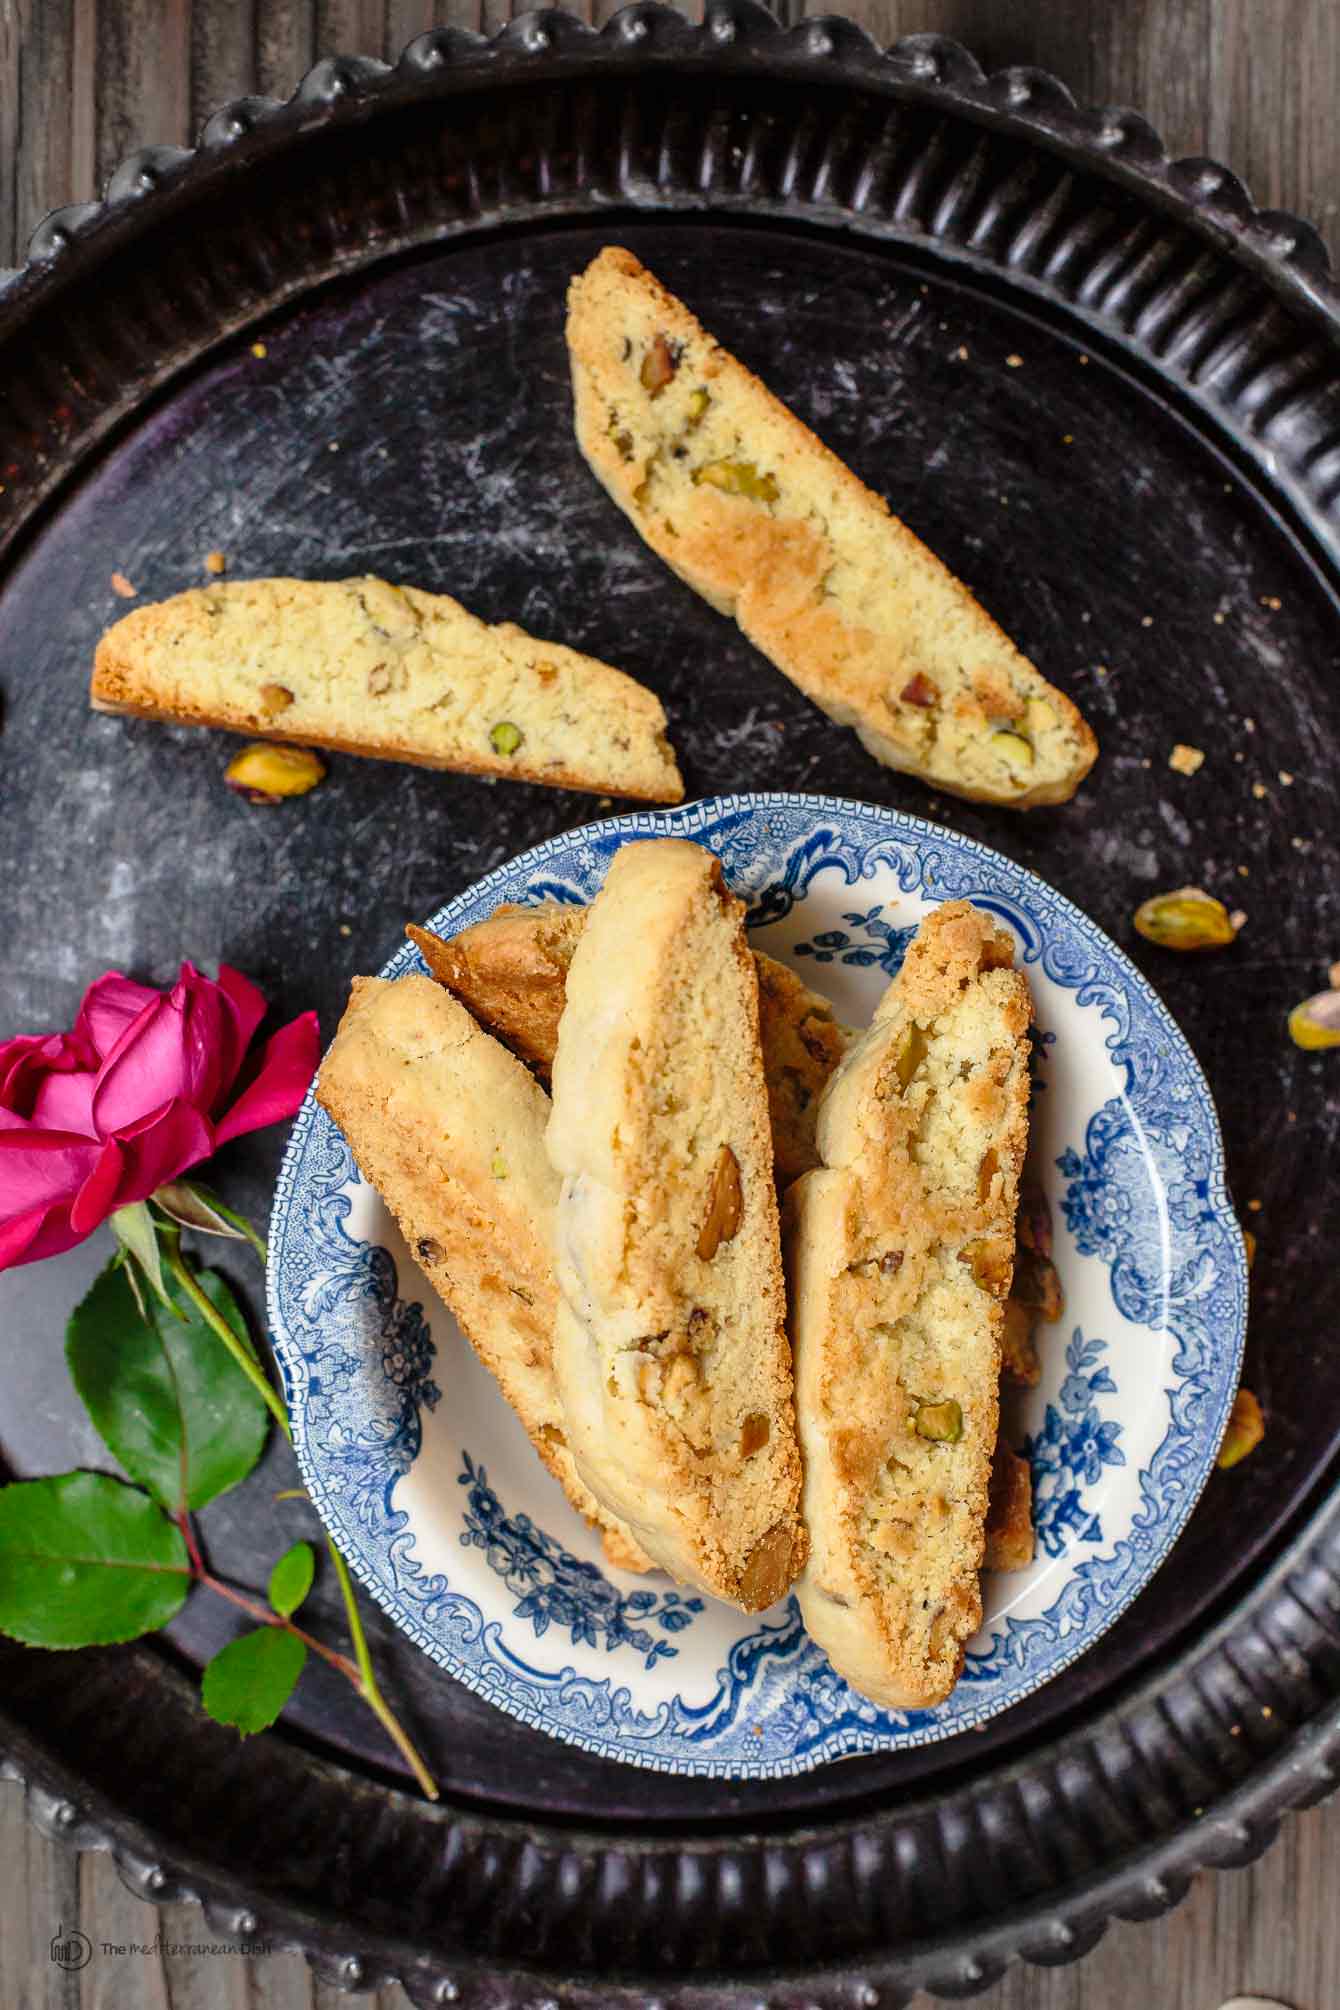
(517, 1602)
(1069, 1452)
(555, 1588)
(886, 950)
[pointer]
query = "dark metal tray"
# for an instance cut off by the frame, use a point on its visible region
(1106, 390)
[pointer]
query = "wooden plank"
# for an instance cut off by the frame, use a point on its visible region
(223, 57)
(350, 27)
(143, 78)
(1275, 80)
(285, 45)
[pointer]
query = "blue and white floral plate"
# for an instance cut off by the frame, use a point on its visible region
(431, 1488)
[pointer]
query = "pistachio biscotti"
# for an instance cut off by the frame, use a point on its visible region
(747, 506)
(370, 668)
(449, 1128)
(670, 1352)
(511, 971)
(900, 1253)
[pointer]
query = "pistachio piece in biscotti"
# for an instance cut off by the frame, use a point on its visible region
(735, 493)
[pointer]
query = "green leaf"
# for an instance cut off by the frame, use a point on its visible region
(86, 1561)
(194, 1206)
(249, 1681)
(291, 1578)
(134, 1229)
(164, 1393)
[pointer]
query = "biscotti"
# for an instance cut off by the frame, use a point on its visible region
(449, 1128)
(747, 506)
(370, 668)
(1009, 1542)
(670, 1351)
(511, 971)
(900, 1254)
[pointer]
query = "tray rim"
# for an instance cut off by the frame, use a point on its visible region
(1303, 1583)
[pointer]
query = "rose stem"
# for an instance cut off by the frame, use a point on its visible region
(366, 1683)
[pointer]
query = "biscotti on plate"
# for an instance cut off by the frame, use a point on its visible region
(449, 1127)
(511, 971)
(369, 668)
(900, 1254)
(670, 1353)
(747, 506)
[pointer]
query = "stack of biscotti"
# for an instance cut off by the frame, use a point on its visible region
(614, 1254)
(900, 1253)
(759, 517)
(511, 971)
(365, 667)
(654, 1378)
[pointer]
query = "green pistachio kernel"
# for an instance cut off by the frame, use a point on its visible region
(738, 478)
(505, 738)
(942, 1422)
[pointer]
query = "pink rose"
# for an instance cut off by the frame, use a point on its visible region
(139, 1092)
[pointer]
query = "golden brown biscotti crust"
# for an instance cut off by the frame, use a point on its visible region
(511, 971)
(670, 1353)
(900, 1254)
(449, 1128)
(736, 494)
(364, 667)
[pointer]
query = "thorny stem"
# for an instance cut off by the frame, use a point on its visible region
(360, 1671)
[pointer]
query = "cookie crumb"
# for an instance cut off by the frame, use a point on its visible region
(1272, 601)
(122, 586)
(1333, 977)
(1260, 791)
(215, 562)
(1238, 919)
(1067, 439)
(1244, 872)
(1254, 1207)
(1286, 779)
(1249, 725)
(1219, 616)
(1014, 362)
(345, 928)
(1146, 621)
(1101, 670)
(1239, 755)
(1082, 357)
(961, 353)
(1301, 844)
(1186, 760)
(259, 350)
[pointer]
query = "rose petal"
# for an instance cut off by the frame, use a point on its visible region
(286, 1071)
(248, 1007)
(41, 1232)
(40, 1168)
(97, 1197)
(178, 1140)
(111, 1004)
(150, 1065)
(65, 1103)
(25, 1063)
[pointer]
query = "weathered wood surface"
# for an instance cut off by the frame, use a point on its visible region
(84, 81)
